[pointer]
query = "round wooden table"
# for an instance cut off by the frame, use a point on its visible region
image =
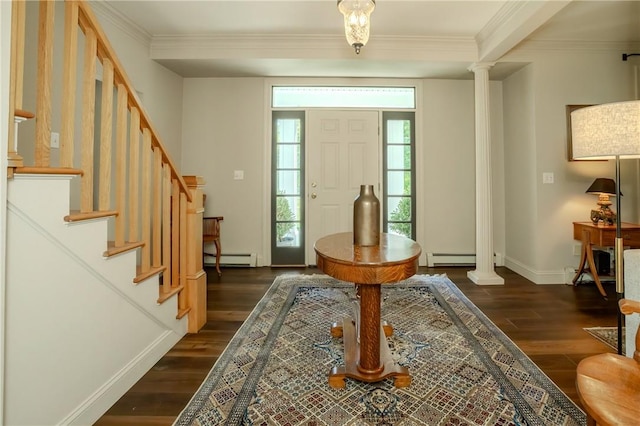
(368, 267)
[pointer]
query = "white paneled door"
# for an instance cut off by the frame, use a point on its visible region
(343, 152)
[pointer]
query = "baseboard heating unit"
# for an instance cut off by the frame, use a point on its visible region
(239, 260)
(458, 259)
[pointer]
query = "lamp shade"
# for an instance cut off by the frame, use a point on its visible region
(606, 131)
(603, 186)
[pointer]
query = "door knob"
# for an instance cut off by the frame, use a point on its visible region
(314, 195)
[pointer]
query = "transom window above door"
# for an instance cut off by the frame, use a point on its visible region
(343, 97)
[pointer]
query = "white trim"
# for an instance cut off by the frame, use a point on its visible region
(537, 277)
(308, 46)
(420, 153)
(242, 259)
(5, 62)
(443, 259)
(92, 408)
(266, 180)
(104, 10)
(297, 81)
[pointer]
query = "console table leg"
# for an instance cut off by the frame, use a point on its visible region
(594, 272)
(586, 256)
(583, 259)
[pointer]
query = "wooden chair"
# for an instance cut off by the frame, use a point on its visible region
(211, 234)
(609, 384)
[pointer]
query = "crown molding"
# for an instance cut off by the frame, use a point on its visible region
(542, 46)
(104, 10)
(513, 23)
(500, 19)
(309, 46)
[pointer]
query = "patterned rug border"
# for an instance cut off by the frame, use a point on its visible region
(434, 282)
(554, 390)
(607, 335)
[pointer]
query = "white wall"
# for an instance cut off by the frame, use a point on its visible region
(449, 166)
(224, 130)
(160, 88)
(539, 219)
(519, 152)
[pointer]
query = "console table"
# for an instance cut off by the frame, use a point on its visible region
(368, 267)
(601, 236)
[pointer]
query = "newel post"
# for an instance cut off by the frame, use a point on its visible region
(196, 277)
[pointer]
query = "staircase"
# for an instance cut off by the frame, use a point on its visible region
(103, 243)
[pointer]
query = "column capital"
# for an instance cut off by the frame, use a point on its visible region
(480, 66)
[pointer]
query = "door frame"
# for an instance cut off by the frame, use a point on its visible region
(264, 259)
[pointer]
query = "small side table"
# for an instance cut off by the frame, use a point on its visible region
(395, 259)
(601, 236)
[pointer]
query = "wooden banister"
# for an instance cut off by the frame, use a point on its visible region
(138, 185)
(44, 82)
(87, 19)
(69, 76)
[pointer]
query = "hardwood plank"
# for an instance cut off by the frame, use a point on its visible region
(546, 321)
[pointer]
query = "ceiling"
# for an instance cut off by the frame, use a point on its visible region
(409, 38)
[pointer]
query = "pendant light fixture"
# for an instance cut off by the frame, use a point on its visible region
(357, 20)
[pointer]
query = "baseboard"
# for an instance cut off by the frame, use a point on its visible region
(242, 259)
(537, 277)
(458, 259)
(108, 394)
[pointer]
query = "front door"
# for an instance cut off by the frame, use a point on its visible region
(343, 152)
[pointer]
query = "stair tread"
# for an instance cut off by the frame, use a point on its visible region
(77, 216)
(48, 170)
(166, 296)
(112, 250)
(141, 276)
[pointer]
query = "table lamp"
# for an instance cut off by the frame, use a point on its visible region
(604, 188)
(604, 132)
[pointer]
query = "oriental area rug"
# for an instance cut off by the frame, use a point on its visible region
(608, 336)
(464, 370)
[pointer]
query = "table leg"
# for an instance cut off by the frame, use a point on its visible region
(583, 260)
(586, 256)
(370, 330)
(594, 271)
(370, 359)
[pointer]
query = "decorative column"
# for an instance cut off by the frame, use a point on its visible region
(484, 274)
(196, 277)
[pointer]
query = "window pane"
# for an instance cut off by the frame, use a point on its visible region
(288, 157)
(287, 209)
(399, 131)
(399, 183)
(399, 209)
(288, 234)
(400, 229)
(287, 130)
(399, 157)
(288, 182)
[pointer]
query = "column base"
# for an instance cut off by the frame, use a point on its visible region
(485, 278)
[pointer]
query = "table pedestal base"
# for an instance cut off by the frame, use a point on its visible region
(351, 369)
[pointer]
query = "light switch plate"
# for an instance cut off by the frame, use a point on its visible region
(238, 174)
(547, 177)
(55, 140)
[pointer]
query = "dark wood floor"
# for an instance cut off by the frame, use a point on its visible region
(545, 321)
